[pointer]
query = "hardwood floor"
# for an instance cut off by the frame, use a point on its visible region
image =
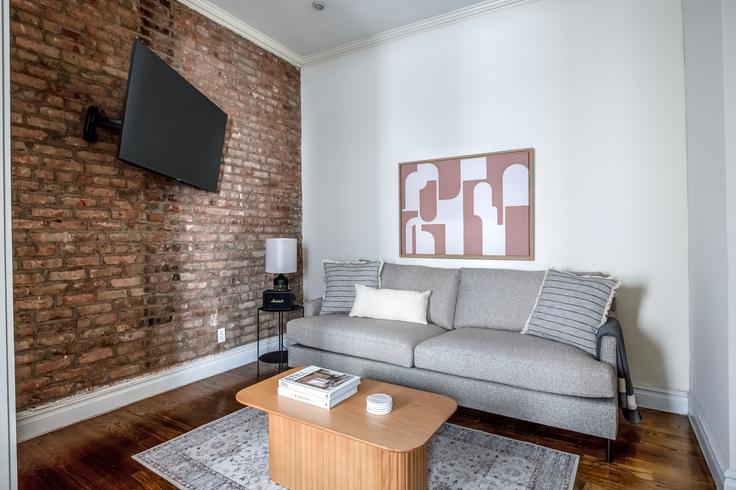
(660, 452)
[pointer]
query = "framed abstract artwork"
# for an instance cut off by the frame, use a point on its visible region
(469, 207)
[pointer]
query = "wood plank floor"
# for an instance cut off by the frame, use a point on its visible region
(660, 452)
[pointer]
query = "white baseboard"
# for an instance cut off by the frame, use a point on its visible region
(662, 399)
(730, 480)
(724, 477)
(37, 421)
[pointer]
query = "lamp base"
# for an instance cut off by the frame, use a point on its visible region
(280, 283)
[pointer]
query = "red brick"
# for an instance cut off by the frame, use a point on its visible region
(125, 283)
(105, 272)
(67, 275)
(120, 259)
(110, 259)
(55, 314)
(51, 237)
(55, 339)
(76, 299)
(80, 261)
(91, 214)
(37, 47)
(125, 371)
(94, 309)
(97, 354)
(32, 278)
(52, 393)
(51, 213)
(38, 303)
(27, 133)
(51, 365)
(42, 263)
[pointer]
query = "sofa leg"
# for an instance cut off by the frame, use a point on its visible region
(609, 450)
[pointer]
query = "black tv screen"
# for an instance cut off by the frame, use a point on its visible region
(169, 126)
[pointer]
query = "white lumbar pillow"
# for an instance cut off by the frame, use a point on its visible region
(390, 304)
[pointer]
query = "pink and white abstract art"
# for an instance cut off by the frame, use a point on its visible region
(478, 206)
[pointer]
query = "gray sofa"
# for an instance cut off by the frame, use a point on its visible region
(471, 350)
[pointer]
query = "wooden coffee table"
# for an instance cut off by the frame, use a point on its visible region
(346, 447)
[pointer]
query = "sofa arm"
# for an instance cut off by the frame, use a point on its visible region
(312, 307)
(608, 352)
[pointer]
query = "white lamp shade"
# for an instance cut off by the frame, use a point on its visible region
(280, 255)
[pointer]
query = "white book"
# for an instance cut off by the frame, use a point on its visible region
(320, 381)
(316, 401)
(319, 393)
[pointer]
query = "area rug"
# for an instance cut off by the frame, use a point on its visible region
(232, 453)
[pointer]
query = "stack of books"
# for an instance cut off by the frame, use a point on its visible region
(318, 386)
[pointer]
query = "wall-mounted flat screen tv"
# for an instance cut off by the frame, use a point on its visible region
(169, 126)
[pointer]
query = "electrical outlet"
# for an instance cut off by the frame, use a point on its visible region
(221, 335)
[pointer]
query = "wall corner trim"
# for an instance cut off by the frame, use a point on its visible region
(724, 478)
(225, 19)
(407, 30)
(41, 420)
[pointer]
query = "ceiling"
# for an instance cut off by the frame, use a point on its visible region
(295, 25)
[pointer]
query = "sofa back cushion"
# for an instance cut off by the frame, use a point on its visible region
(501, 299)
(442, 284)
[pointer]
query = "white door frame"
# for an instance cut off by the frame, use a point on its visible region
(8, 455)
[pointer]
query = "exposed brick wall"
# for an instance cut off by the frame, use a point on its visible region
(120, 271)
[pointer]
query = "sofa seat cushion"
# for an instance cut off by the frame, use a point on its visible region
(517, 360)
(379, 340)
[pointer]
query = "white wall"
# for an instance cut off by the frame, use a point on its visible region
(729, 95)
(595, 86)
(710, 68)
(707, 210)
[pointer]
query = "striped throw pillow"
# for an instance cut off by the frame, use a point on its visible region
(340, 280)
(571, 308)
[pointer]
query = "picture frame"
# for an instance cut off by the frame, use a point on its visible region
(478, 206)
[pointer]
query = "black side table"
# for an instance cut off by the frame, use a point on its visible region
(280, 356)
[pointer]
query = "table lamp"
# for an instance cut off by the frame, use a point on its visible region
(280, 259)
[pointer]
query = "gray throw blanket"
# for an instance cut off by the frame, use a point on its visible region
(626, 397)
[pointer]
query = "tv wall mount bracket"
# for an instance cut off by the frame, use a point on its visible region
(93, 120)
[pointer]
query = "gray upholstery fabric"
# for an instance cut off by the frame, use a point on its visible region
(608, 352)
(572, 308)
(496, 298)
(340, 280)
(312, 307)
(594, 416)
(517, 360)
(441, 282)
(381, 340)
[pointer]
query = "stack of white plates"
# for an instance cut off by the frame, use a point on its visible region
(379, 404)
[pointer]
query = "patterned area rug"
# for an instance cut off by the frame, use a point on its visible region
(232, 453)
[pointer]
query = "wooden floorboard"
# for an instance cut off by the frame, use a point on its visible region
(660, 452)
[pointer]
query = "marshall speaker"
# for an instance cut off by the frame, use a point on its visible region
(278, 300)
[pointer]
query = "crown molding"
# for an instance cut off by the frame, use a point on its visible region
(216, 14)
(425, 25)
(225, 19)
